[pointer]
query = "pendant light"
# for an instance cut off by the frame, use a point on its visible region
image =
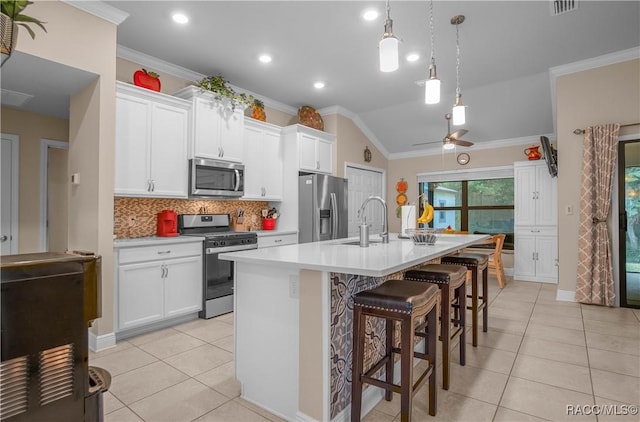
(458, 113)
(388, 46)
(432, 85)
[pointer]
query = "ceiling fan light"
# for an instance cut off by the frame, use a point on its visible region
(432, 87)
(458, 112)
(388, 53)
(448, 144)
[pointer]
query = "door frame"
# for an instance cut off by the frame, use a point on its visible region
(15, 189)
(45, 144)
(619, 253)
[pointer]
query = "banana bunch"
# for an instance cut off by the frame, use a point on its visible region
(427, 214)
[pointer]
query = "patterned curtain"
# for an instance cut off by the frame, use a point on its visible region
(595, 271)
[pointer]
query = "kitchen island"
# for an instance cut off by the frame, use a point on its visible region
(293, 315)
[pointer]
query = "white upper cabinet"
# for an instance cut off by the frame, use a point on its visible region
(151, 143)
(218, 129)
(263, 161)
(315, 148)
(535, 195)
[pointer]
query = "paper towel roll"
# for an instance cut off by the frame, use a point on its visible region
(408, 215)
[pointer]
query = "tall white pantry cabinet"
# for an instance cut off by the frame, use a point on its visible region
(536, 222)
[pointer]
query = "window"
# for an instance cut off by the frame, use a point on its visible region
(483, 206)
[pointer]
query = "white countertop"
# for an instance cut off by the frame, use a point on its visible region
(334, 255)
(154, 240)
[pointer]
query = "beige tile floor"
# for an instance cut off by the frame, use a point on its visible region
(538, 356)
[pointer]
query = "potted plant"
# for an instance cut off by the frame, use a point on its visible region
(10, 18)
(219, 86)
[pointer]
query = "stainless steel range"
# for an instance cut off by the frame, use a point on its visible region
(218, 274)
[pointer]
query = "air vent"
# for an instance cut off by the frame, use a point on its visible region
(14, 380)
(558, 7)
(14, 98)
(56, 373)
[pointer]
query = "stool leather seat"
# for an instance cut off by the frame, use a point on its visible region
(465, 258)
(396, 295)
(438, 273)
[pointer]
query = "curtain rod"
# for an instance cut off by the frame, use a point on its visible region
(581, 131)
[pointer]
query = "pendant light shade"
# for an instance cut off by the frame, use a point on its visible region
(388, 54)
(458, 112)
(388, 46)
(432, 85)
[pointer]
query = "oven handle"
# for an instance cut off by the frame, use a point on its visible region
(237, 180)
(210, 251)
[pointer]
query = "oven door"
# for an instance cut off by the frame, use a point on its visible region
(218, 275)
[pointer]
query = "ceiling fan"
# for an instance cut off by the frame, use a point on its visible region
(451, 139)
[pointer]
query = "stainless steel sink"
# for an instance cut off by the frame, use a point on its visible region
(375, 242)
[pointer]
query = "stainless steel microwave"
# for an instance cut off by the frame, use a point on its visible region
(215, 179)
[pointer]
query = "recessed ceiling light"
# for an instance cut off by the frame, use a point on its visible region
(318, 85)
(412, 57)
(370, 15)
(180, 18)
(265, 58)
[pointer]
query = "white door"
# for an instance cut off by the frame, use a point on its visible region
(362, 184)
(57, 201)
(183, 286)
(9, 196)
(169, 151)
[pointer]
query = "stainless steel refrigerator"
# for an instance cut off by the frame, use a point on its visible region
(322, 210)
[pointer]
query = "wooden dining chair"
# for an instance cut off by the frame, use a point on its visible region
(495, 259)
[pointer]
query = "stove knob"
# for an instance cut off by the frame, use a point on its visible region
(215, 244)
(223, 243)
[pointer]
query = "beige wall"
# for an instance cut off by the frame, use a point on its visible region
(86, 42)
(351, 143)
(31, 128)
(607, 94)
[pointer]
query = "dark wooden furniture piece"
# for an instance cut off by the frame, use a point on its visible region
(474, 263)
(407, 302)
(451, 279)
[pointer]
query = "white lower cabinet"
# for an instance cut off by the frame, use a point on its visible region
(536, 255)
(157, 283)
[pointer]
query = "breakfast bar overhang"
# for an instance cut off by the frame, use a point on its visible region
(293, 314)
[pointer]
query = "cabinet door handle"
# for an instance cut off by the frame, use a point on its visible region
(166, 271)
(277, 241)
(219, 152)
(317, 165)
(222, 149)
(534, 195)
(533, 256)
(153, 185)
(149, 185)
(164, 252)
(535, 231)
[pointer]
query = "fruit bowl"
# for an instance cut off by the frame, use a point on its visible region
(424, 236)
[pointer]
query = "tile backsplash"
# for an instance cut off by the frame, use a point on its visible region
(137, 217)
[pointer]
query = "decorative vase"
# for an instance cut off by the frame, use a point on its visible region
(9, 33)
(258, 113)
(532, 153)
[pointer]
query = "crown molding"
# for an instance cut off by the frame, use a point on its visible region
(99, 9)
(159, 65)
(500, 143)
(359, 123)
(587, 64)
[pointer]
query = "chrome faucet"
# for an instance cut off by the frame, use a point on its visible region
(385, 224)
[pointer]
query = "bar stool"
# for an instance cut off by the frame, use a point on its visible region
(474, 263)
(407, 302)
(451, 281)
